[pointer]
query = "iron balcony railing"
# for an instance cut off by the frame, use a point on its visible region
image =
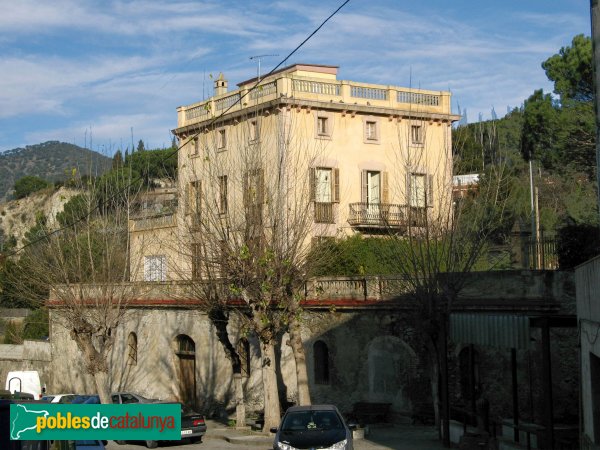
(382, 215)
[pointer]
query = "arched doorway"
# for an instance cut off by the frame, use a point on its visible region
(186, 355)
(391, 367)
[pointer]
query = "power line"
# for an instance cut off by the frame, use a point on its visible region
(175, 151)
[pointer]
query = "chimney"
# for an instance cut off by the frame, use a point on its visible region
(220, 85)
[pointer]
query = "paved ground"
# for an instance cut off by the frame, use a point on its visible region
(397, 437)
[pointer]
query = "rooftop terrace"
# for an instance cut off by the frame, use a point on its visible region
(312, 83)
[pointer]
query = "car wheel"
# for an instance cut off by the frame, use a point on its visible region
(195, 440)
(151, 444)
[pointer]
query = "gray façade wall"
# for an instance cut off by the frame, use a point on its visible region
(374, 354)
(373, 357)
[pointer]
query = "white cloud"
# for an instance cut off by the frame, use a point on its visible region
(84, 62)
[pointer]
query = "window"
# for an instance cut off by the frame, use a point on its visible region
(194, 199)
(253, 189)
(185, 345)
(420, 188)
(417, 191)
(374, 187)
(323, 185)
(371, 130)
(321, 362)
(416, 134)
(323, 124)
(420, 196)
(243, 350)
(254, 196)
(132, 349)
(254, 131)
(155, 268)
(222, 139)
(223, 194)
(195, 147)
(325, 191)
(196, 260)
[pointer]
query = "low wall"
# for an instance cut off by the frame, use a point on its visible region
(31, 355)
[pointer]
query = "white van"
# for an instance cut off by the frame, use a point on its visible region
(24, 381)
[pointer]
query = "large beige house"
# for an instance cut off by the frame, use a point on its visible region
(362, 158)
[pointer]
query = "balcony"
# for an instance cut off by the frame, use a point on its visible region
(386, 215)
(152, 222)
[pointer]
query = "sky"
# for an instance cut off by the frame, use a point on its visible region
(102, 74)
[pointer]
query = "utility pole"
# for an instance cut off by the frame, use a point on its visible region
(534, 238)
(595, 16)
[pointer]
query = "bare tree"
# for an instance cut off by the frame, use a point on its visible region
(249, 220)
(83, 264)
(443, 237)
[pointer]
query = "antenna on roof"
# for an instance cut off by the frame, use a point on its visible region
(259, 59)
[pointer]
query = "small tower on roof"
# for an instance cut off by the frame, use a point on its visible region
(220, 85)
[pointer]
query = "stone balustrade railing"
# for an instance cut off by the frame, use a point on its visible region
(314, 89)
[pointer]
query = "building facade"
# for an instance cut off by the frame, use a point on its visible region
(362, 158)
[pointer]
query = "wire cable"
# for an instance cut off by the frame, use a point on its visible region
(176, 150)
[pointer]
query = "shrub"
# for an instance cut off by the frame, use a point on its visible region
(29, 184)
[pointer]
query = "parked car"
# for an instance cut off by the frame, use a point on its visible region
(59, 398)
(130, 397)
(314, 426)
(193, 427)
(16, 395)
(86, 399)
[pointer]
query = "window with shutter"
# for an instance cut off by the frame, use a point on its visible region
(417, 195)
(324, 194)
(223, 194)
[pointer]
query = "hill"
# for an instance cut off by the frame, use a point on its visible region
(17, 217)
(52, 161)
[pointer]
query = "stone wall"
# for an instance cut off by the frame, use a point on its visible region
(31, 355)
(372, 357)
(374, 353)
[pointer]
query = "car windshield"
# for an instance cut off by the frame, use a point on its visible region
(311, 420)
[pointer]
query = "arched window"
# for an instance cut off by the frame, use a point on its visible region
(185, 345)
(321, 362)
(132, 349)
(243, 350)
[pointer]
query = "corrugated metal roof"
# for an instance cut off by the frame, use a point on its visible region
(506, 331)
